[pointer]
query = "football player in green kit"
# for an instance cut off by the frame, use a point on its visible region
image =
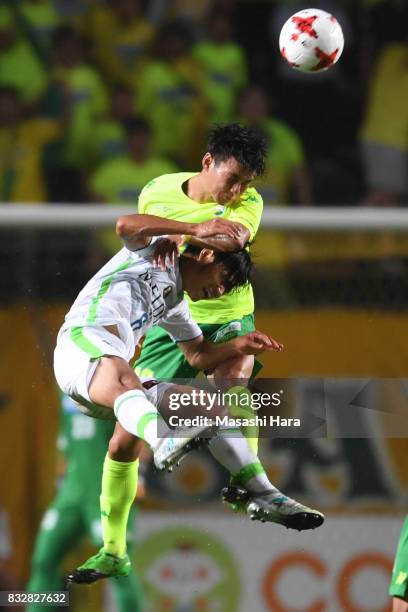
(75, 512)
(399, 581)
(234, 157)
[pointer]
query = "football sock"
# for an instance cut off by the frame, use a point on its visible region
(139, 417)
(119, 485)
(231, 449)
(241, 407)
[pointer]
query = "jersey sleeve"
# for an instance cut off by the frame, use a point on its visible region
(147, 251)
(179, 324)
(249, 211)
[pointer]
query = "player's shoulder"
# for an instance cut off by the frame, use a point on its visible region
(251, 196)
(166, 182)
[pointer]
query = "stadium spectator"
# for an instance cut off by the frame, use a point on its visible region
(86, 98)
(384, 133)
(192, 13)
(109, 133)
(120, 180)
(286, 179)
(224, 65)
(120, 37)
(39, 19)
(73, 12)
(170, 94)
(20, 66)
(22, 144)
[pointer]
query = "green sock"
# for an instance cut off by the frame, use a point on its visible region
(240, 407)
(119, 485)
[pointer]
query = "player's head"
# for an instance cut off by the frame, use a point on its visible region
(172, 41)
(122, 105)
(138, 138)
(127, 10)
(67, 46)
(209, 274)
(236, 154)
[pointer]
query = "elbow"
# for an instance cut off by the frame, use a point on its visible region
(194, 361)
(121, 227)
(241, 243)
(242, 239)
(197, 361)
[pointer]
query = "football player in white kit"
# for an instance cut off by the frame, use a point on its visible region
(128, 296)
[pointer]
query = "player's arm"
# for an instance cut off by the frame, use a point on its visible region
(169, 247)
(246, 216)
(205, 355)
(223, 242)
(136, 230)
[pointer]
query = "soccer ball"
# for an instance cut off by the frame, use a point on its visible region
(311, 40)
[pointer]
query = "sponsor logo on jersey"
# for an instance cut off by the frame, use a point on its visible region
(219, 210)
(138, 323)
(230, 331)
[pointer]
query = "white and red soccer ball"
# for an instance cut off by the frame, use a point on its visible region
(311, 40)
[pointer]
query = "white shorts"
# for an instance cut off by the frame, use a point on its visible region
(76, 358)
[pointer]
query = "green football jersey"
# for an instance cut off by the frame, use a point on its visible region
(84, 443)
(164, 196)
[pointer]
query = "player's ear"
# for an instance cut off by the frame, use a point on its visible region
(206, 256)
(207, 161)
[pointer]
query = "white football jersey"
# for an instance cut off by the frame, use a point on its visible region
(129, 293)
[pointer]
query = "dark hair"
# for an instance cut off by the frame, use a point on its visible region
(246, 144)
(9, 90)
(238, 266)
(136, 124)
(64, 33)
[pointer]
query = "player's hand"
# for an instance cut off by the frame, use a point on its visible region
(257, 342)
(216, 227)
(166, 247)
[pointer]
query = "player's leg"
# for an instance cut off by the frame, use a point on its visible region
(127, 588)
(60, 529)
(231, 449)
(399, 605)
(119, 486)
(161, 359)
(235, 374)
(90, 365)
(128, 591)
(118, 492)
(399, 581)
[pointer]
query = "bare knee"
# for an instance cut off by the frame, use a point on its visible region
(123, 446)
(129, 381)
(399, 605)
(236, 370)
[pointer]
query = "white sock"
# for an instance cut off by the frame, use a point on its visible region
(230, 448)
(139, 417)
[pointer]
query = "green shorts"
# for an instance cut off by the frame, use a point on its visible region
(161, 358)
(399, 580)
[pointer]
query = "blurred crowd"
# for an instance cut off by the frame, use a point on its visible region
(99, 96)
